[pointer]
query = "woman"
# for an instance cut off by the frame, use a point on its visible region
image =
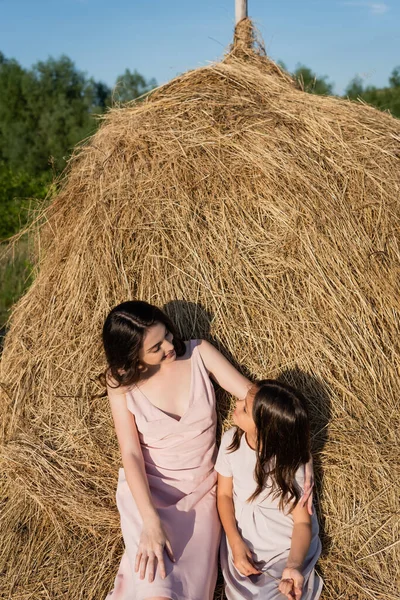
(163, 406)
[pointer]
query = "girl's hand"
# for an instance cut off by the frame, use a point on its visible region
(307, 497)
(243, 559)
(152, 542)
(291, 584)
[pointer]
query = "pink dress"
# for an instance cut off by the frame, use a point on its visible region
(179, 459)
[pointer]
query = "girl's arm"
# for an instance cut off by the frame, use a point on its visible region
(241, 554)
(153, 538)
(291, 584)
(223, 372)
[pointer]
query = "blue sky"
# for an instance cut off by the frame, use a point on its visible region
(162, 38)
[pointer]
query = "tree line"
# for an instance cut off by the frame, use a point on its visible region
(386, 98)
(47, 109)
(44, 112)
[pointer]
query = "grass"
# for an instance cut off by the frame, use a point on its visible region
(15, 277)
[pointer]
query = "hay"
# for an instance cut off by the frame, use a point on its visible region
(268, 220)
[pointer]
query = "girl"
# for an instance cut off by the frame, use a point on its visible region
(271, 543)
(163, 406)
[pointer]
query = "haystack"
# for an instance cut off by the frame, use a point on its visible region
(267, 220)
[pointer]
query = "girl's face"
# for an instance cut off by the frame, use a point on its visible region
(242, 415)
(157, 346)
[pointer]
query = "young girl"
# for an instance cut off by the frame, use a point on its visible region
(271, 543)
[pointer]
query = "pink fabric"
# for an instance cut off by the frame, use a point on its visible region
(179, 459)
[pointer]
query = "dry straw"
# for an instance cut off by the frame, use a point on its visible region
(268, 220)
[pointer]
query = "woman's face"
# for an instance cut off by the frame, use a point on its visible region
(157, 346)
(242, 415)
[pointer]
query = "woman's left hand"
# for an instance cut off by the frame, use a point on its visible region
(307, 497)
(291, 584)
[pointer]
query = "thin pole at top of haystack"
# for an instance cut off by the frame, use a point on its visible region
(240, 10)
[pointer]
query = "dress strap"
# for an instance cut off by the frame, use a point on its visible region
(192, 345)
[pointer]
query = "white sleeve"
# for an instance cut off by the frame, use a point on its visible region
(299, 478)
(223, 464)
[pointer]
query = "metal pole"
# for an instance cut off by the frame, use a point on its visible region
(240, 10)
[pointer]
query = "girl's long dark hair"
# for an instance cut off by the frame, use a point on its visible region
(123, 334)
(283, 439)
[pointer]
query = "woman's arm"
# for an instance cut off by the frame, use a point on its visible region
(223, 372)
(291, 584)
(307, 498)
(153, 538)
(241, 554)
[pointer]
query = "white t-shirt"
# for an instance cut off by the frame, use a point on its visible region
(241, 465)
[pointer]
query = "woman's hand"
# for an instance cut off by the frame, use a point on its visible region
(307, 497)
(243, 559)
(291, 584)
(153, 540)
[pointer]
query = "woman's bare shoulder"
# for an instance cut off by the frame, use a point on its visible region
(206, 348)
(202, 343)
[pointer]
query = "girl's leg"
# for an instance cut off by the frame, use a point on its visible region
(158, 598)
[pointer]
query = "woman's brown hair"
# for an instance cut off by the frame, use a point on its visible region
(123, 333)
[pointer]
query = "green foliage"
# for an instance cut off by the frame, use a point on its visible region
(394, 79)
(355, 88)
(45, 112)
(101, 95)
(17, 190)
(308, 80)
(130, 86)
(387, 98)
(312, 83)
(16, 276)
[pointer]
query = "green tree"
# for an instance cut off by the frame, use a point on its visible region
(355, 89)
(386, 98)
(130, 86)
(62, 100)
(45, 112)
(394, 79)
(16, 124)
(15, 277)
(312, 83)
(101, 95)
(17, 190)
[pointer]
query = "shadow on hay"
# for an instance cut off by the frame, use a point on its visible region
(3, 331)
(193, 321)
(319, 401)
